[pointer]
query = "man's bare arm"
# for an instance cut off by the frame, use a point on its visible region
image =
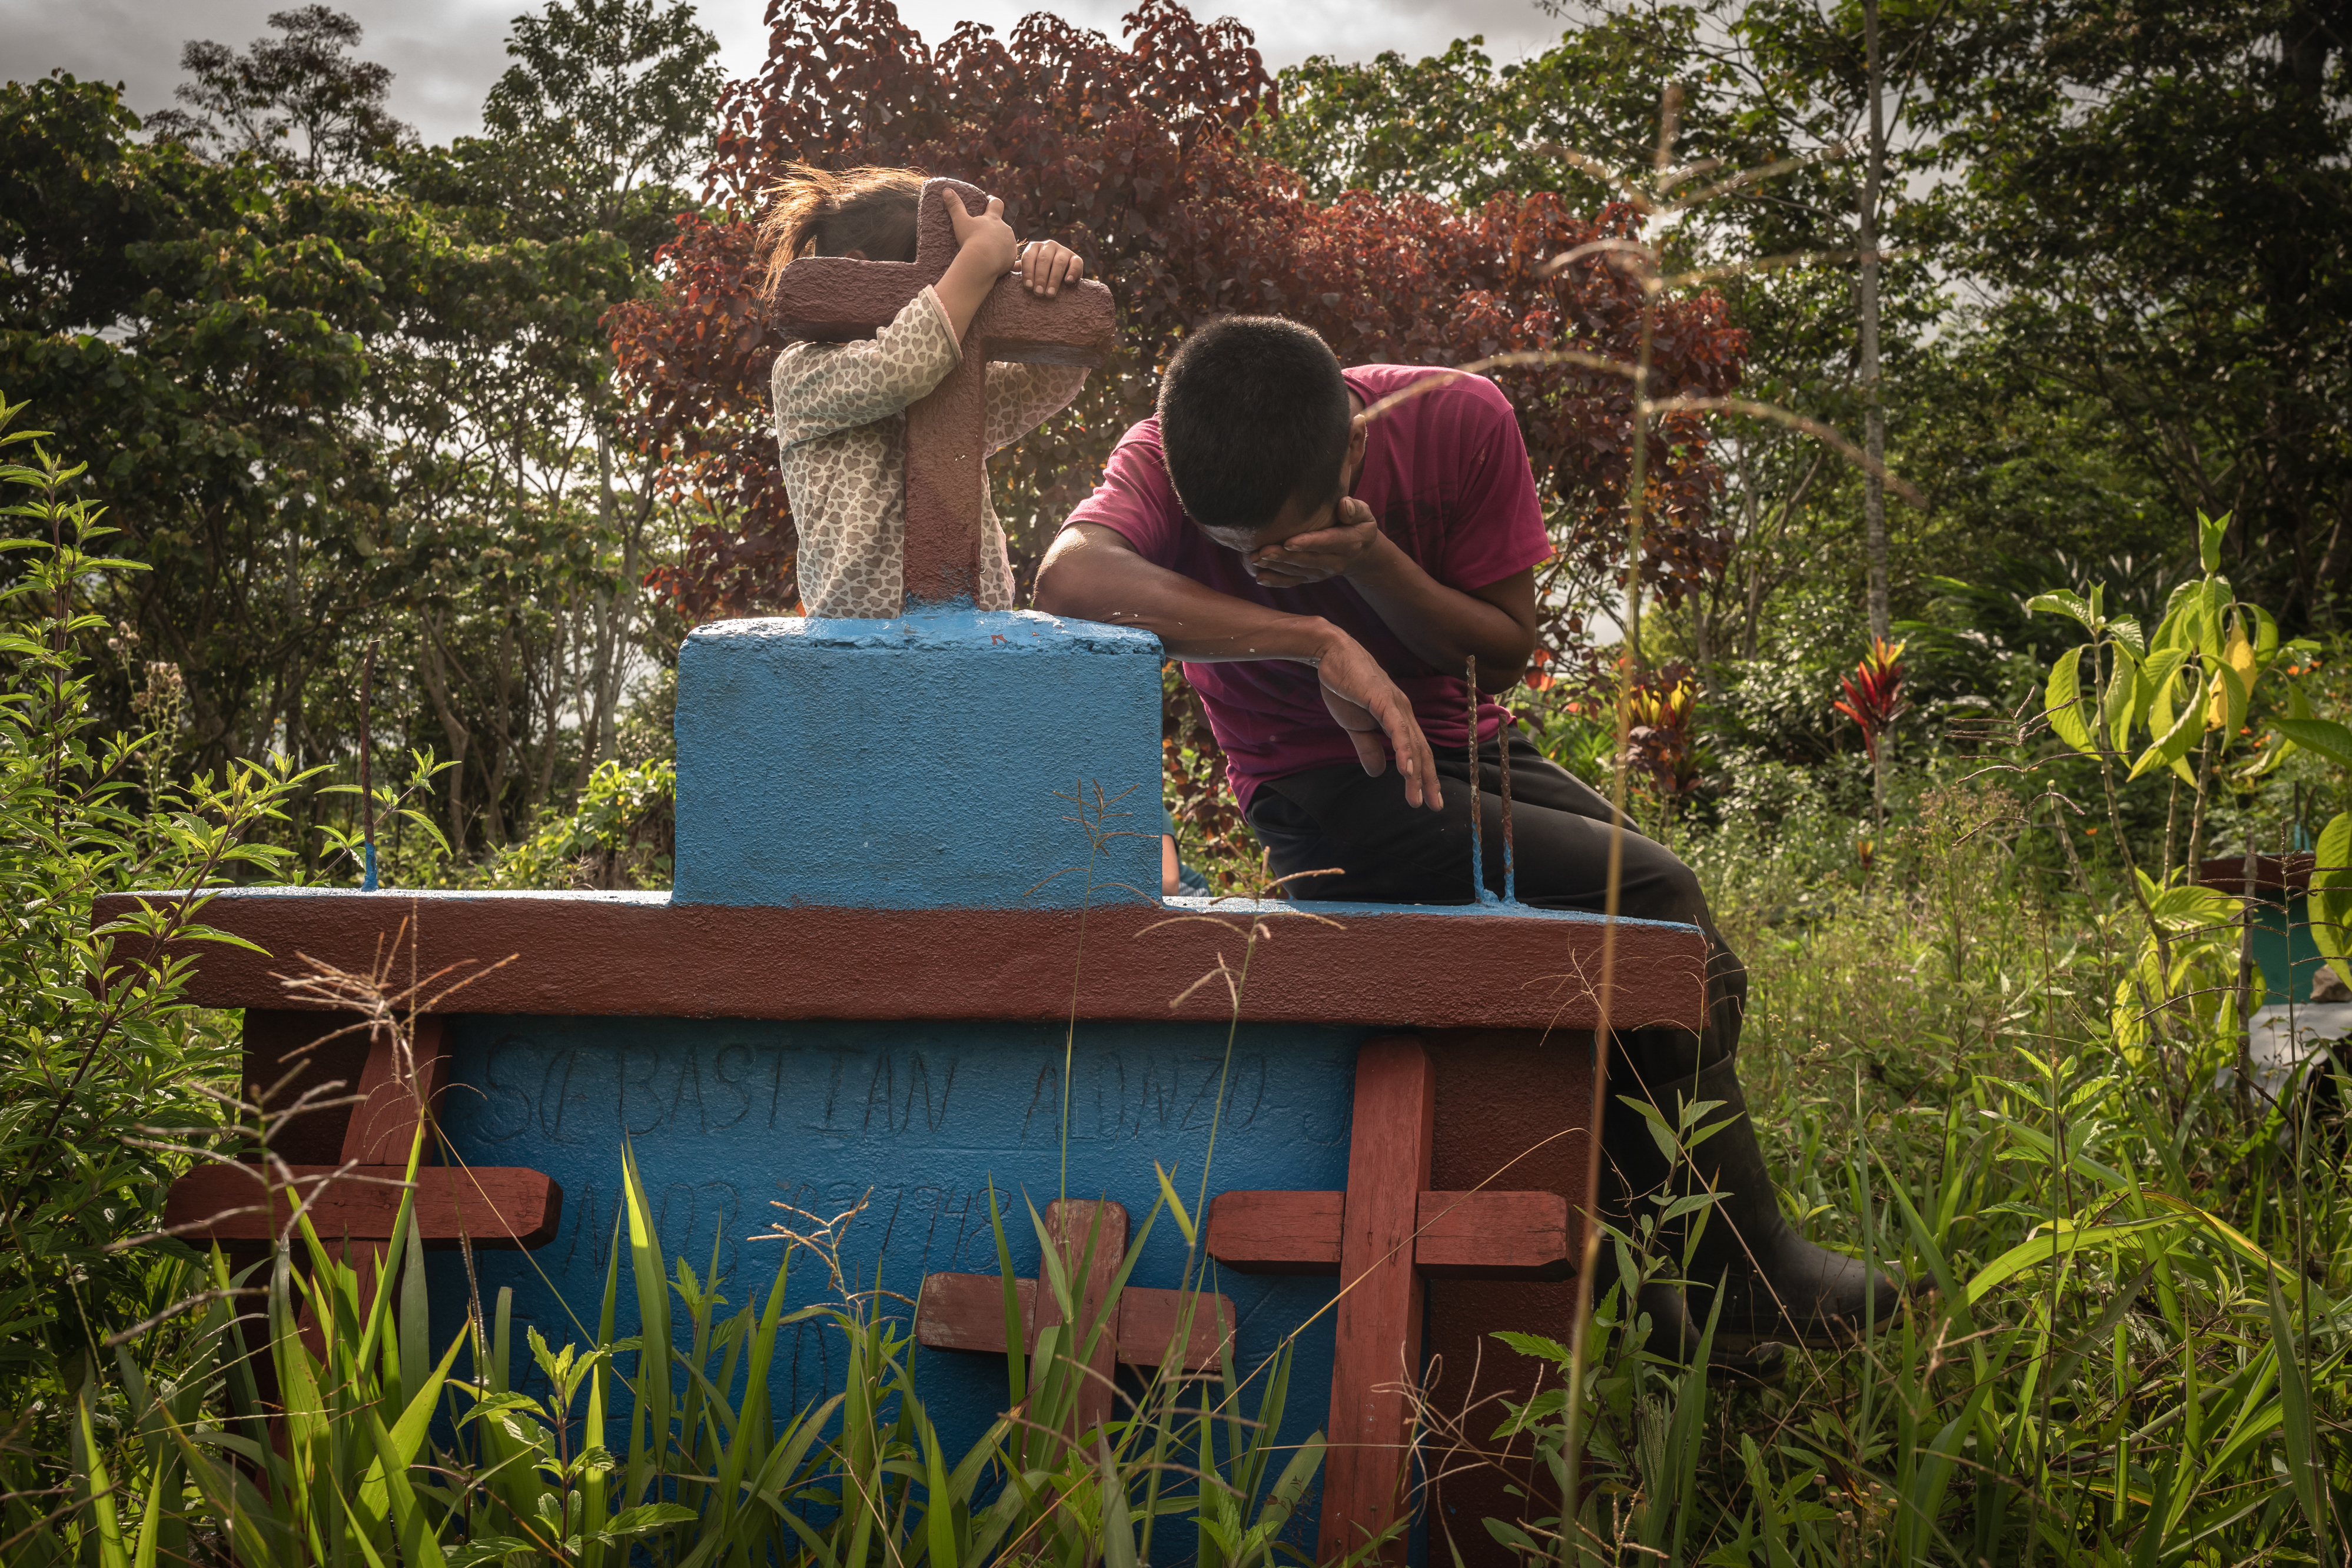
(1444, 626)
(1093, 573)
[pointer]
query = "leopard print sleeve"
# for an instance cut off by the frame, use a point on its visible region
(819, 389)
(1023, 396)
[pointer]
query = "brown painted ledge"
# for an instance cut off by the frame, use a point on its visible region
(639, 954)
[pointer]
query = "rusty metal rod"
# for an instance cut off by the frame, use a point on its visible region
(367, 781)
(1503, 746)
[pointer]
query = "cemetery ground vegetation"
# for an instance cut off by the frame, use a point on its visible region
(1994, 1056)
(494, 406)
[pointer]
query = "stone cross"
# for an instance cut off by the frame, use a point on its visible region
(1379, 1237)
(966, 1312)
(832, 299)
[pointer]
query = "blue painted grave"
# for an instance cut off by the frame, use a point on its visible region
(869, 983)
(915, 916)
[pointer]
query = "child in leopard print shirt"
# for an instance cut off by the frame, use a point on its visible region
(841, 407)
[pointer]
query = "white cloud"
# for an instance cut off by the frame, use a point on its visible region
(446, 53)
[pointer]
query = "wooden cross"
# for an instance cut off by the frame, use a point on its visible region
(833, 299)
(966, 1312)
(1381, 1236)
(357, 1199)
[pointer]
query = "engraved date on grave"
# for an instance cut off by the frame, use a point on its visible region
(915, 1228)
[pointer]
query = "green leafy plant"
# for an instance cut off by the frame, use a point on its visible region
(98, 1045)
(2207, 697)
(620, 835)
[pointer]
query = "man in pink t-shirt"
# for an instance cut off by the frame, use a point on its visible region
(1326, 551)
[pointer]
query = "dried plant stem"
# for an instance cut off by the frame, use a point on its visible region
(1636, 482)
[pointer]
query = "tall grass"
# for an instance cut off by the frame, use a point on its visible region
(2127, 1343)
(381, 1437)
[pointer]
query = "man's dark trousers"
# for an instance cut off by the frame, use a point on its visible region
(1386, 851)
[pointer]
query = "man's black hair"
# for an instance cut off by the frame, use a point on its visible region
(1252, 413)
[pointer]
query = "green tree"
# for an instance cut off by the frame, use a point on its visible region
(614, 101)
(203, 341)
(299, 100)
(310, 405)
(1780, 85)
(608, 108)
(2156, 203)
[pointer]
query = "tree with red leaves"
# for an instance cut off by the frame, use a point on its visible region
(1135, 156)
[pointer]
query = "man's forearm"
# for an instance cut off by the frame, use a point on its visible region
(1092, 572)
(1193, 621)
(1444, 625)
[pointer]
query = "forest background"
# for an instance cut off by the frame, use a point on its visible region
(442, 448)
(496, 407)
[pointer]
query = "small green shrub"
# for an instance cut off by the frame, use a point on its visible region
(108, 1074)
(622, 834)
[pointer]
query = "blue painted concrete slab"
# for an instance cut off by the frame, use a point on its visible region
(914, 763)
(727, 1116)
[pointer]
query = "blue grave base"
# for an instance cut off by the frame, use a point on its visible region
(2284, 949)
(914, 762)
(727, 1116)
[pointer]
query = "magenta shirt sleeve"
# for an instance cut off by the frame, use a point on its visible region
(1135, 499)
(1505, 529)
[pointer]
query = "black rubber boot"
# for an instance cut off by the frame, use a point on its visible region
(1672, 1335)
(1778, 1287)
(1675, 1336)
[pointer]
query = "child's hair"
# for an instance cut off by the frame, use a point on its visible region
(831, 212)
(1252, 413)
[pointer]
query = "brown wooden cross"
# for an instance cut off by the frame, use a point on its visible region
(832, 299)
(966, 1312)
(356, 1200)
(1380, 1237)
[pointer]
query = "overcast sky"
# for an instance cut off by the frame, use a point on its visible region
(447, 52)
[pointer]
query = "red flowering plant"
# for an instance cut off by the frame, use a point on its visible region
(1132, 154)
(1874, 699)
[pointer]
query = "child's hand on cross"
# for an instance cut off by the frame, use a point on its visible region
(986, 232)
(1323, 553)
(985, 251)
(1046, 265)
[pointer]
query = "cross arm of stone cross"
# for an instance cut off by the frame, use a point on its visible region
(832, 299)
(1376, 1237)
